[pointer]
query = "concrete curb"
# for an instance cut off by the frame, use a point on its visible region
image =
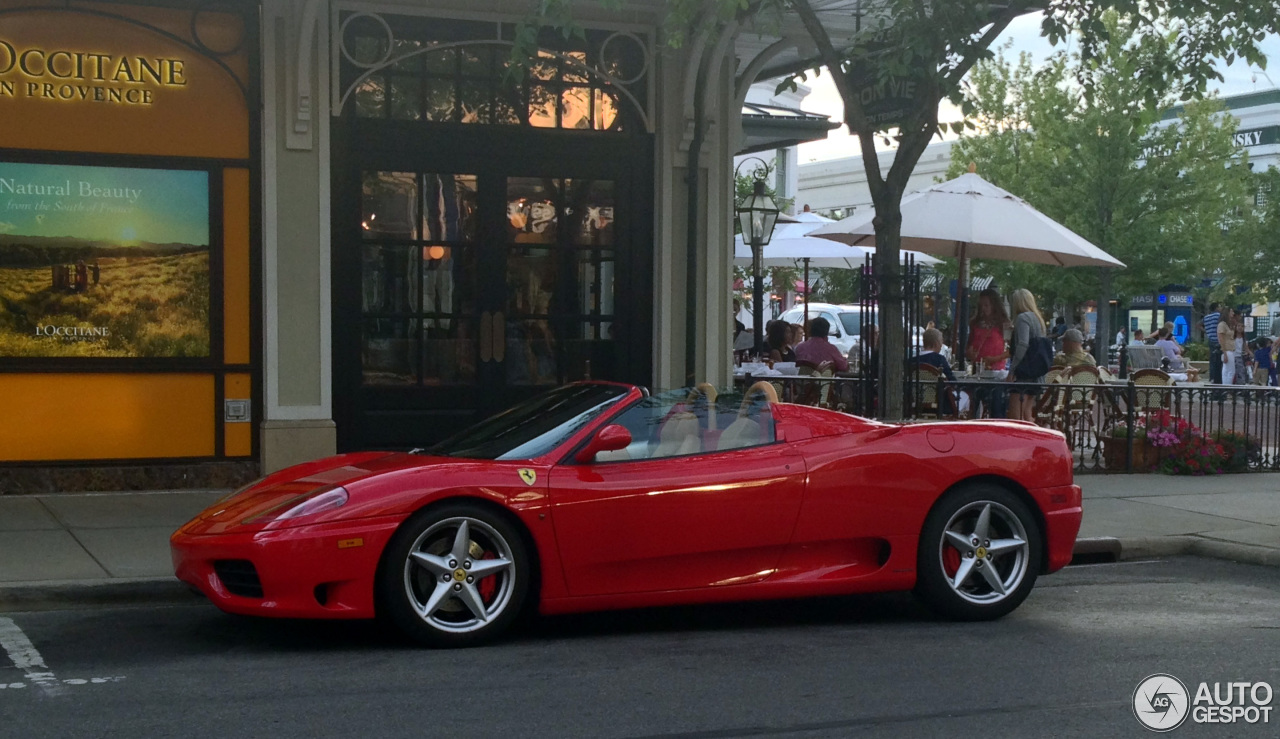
(1146, 547)
(57, 594)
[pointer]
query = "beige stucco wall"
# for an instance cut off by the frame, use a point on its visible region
(298, 419)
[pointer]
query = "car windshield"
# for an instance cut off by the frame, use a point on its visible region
(852, 323)
(534, 427)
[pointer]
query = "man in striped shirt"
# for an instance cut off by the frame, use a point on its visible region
(1210, 325)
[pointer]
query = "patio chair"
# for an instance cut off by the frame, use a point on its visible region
(926, 394)
(810, 393)
(1145, 398)
(1051, 407)
(1081, 399)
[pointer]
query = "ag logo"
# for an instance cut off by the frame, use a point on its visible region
(529, 476)
(1161, 702)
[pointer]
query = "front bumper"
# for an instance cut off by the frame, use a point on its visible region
(319, 571)
(1062, 513)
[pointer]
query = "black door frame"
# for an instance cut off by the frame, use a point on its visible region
(417, 415)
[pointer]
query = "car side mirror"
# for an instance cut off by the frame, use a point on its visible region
(611, 438)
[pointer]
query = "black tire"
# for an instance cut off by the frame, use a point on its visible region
(957, 515)
(414, 594)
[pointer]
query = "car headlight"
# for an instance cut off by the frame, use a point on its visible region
(325, 498)
(317, 503)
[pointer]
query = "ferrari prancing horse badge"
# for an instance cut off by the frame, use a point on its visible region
(529, 476)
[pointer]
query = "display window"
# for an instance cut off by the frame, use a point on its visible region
(128, 180)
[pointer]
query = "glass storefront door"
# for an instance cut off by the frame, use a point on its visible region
(465, 280)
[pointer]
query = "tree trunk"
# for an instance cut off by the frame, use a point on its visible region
(1104, 333)
(888, 268)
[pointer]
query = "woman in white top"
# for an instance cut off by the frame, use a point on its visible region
(1027, 325)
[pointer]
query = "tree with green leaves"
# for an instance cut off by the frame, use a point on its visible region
(920, 52)
(1252, 261)
(1077, 140)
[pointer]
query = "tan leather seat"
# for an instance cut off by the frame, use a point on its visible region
(747, 431)
(742, 432)
(680, 435)
(617, 455)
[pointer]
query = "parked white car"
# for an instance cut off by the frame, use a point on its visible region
(845, 320)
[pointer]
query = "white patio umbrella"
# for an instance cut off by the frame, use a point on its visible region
(970, 218)
(800, 225)
(787, 252)
(811, 252)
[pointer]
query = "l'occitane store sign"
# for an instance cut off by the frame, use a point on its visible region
(81, 81)
(71, 75)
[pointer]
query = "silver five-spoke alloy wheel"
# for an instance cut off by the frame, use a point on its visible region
(991, 544)
(979, 553)
(456, 574)
(459, 574)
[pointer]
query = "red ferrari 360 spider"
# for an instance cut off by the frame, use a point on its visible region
(599, 496)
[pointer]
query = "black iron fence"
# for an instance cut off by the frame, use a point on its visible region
(874, 288)
(1112, 426)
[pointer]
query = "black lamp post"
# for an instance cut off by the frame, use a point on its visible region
(757, 216)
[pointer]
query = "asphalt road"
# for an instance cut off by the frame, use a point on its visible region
(1065, 664)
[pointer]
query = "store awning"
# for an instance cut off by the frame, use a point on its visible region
(768, 127)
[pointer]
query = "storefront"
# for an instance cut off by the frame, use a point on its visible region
(128, 237)
(483, 233)
(1151, 312)
(492, 237)
(236, 237)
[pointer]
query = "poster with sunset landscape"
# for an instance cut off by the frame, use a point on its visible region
(103, 261)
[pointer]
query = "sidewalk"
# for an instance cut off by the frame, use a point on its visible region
(114, 547)
(1234, 517)
(92, 547)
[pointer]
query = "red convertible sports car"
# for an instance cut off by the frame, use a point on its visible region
(600, 496)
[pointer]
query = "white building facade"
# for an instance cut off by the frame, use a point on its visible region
(838, 187)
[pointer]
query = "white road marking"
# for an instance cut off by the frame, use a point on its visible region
(70, 681)
(25, 657)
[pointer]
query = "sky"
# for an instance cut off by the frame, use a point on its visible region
(1024, 33)
(124, 205)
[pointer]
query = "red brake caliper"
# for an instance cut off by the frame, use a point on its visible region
(950, 559)
(489, 585)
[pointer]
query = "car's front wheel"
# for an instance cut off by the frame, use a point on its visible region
(455, 575)
(979, 553)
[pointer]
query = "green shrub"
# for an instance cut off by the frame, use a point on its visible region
(1238, 450)
(1196, 351)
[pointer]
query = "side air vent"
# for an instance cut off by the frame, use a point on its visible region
(239, 577)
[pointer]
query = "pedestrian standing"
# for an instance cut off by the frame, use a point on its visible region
(1275, 363)
(1262, 364)
(1027, 325)
(1059, 328)
(1210, 325)
(1226, 341)
(1241, 358)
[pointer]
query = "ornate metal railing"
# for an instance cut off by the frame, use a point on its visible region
(1115, 426)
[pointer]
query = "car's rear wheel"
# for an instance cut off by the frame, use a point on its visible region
(456, 575)
(979, 553)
